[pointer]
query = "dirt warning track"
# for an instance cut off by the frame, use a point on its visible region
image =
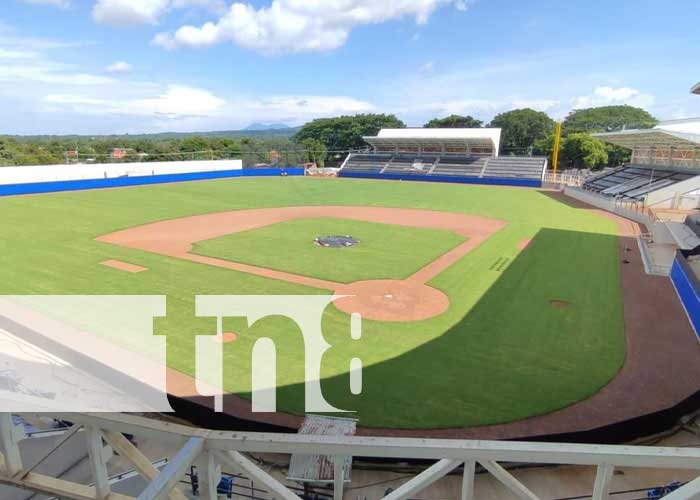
(384, 300)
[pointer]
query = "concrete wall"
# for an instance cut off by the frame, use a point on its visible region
(46, 173)
(666, 197)
(608, 203)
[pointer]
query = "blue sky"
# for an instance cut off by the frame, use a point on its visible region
(117, 66)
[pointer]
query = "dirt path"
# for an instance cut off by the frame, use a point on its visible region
(381, 300)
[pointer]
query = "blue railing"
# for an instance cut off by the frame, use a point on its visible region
(113, 182)
(494, 181)
(688, 289)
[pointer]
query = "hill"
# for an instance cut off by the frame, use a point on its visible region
(235, 134)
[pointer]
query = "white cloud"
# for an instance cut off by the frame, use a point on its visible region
(175, 101)
(295, 108)
(426, 68)
(16, 54)
(536, 104)
(129, 12)
(73, 99)
(217, 6)
(135, 12)
(480, 107)
(605, 96)
(180, 107)
(35, 82)
(48, 73)
(63, 4)
(119, 67)
(298, 25)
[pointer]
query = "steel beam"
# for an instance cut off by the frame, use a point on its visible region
(509, 481)
(98, 463)
(436, 449)
(142, 464)
(239, 462)
(58, 488)
(9, 445)
(424, 479)
(162, 485)
(209, 474)
(338, 477)
(468, 480)
(690, 491)
(601, 489)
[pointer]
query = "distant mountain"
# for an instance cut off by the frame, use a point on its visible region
(285, 131)
(258, 127)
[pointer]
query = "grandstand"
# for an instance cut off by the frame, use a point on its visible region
(462, 155)
(664, 167)
(634, 182)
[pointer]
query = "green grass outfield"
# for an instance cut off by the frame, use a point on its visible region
(384, 252)
(500, 353)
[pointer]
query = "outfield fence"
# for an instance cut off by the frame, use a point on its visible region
(127, 180)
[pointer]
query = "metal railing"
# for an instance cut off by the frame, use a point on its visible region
(564, 179)
(211, 450)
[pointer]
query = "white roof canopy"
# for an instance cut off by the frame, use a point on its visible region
(674, 133)
(452, 137)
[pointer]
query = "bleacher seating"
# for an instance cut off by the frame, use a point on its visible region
(410, 164)
(633, 182)
(519, 167)
(460, 165)
(367, 163)
(515, 167)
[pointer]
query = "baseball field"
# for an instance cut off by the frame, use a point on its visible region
(483, 304)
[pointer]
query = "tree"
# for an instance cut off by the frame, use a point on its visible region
(581, 150)
(193, 144)
(521, 128)
(617, 155)
(454, 121)
(316, 151)
(607, 119)
(544, 146)
(346, 132)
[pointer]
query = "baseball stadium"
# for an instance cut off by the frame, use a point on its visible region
(496, 302)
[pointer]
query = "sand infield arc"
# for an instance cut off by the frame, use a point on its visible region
(383, 300)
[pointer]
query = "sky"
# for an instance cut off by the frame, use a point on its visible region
(136, 66)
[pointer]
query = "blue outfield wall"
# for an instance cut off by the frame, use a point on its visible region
(688, 290)
(114, 182)
(494, 181)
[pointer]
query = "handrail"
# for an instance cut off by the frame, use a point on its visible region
(210, 449)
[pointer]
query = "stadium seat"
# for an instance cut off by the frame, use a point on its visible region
(633, 182)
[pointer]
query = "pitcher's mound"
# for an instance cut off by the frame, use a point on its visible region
(392, 300)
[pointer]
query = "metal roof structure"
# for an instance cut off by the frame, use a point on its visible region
(673, 133)
(450, 137)
(676, 133)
